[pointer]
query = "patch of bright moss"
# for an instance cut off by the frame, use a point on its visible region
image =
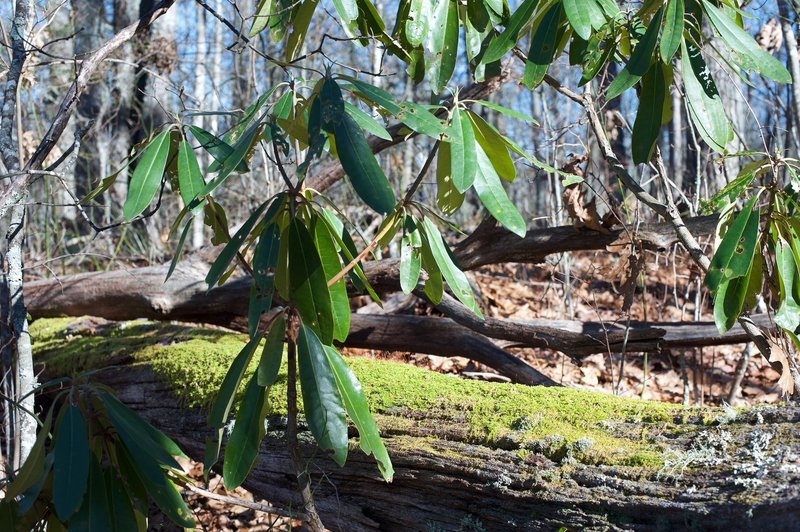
(195, 362)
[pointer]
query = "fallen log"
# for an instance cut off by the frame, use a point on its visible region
(469, 454)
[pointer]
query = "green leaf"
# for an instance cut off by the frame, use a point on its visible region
(434, 285)
(788, 315)
(583, 16)
(94, 514)
(227, 391)
(418, 118)
(410, 259)
(506, 111)
(494, 146)
(735, 252)
(235, 160)
(506, 40)
(442, 43)
(33, 468)
(357, 408)
(217, 148)
(705, 106)
(146, 178)
(728, 302)
(649, 116)
(271, 356)
(158, 486)
(544, 44)
(448, 197)
(265, 259)
(300, 23)
(223, 260)
(375, 95)
(639, 63)
(308, 286)
(241, 451)
(416, 27)
(137, 433)
(190, 180)
(672, 34)
(493, 196)
(176, 257)
(744, 49)
(366, 122)
(322, 404)
(462, 152)
(71, 465)
(261, 17)
(455, 278)
(122, 515)
(740, 182)
(331, 265)
(361, 167)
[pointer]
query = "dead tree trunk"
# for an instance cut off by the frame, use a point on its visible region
(725, 474)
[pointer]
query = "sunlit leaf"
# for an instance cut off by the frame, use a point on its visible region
(322, 403)
(639, 62)
(146, 178)
(357, 408)
(735, 252)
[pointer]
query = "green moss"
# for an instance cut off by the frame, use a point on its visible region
(505, 415)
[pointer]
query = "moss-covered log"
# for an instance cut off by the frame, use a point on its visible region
(469, 453)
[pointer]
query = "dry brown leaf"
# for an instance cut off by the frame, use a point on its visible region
(778, 354)
(584, 214)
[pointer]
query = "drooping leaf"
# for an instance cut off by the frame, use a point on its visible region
(271, 356)
(506, 40)
(233, 162)
(300, 24)
(146, 178)
(178, 248)
(357, 408)
(33, 468)
(94, 514)
(735, 252)
(649, 116)
(583, 16)
(462, 154)
(410, 258)
(744, 49)
(71, 465)
(442, 43)
(494, 146)
(448, 198)
(544, 44)
(493, 196)
(455, 278)
(119, 502)
(361, 167)
(265, 259)
(241, 451)
(190, 179)
(160, 488)
(223, 260)
(217, 148)
(788, 315)
(728, 302)
(672, 34)
(308, 286)
(706, 108)
(322, 403)
(227, 391)
(332, 266)
(639, 62)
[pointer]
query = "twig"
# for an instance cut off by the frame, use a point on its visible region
(247, 504)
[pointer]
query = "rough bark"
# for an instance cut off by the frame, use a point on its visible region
(445, 478)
